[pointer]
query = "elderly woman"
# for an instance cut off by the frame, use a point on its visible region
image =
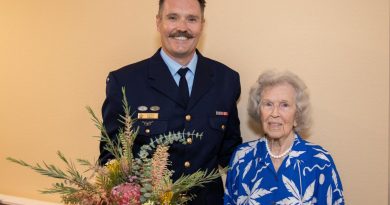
(281, 167)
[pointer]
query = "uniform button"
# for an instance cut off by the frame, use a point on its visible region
(189, 140)
(147, 131)
(223, 127)
(187, 164)
(188, 117)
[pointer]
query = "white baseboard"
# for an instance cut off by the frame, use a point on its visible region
(13, 200)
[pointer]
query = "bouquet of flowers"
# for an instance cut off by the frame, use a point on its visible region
(125, 180)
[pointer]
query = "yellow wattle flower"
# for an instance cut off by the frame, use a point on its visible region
(166, 198)
(113, 166)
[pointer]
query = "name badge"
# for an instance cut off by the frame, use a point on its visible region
(148, 116)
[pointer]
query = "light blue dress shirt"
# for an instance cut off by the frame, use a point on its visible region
(173, 67)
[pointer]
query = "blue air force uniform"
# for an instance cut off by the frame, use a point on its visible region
(153, 97)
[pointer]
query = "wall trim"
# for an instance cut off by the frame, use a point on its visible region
(14, 200)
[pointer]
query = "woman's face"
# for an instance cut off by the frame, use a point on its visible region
(277, 110)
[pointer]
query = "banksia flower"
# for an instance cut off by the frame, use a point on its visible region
(159, 166)
(125, 166)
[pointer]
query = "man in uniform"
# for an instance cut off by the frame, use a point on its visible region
(179, 89)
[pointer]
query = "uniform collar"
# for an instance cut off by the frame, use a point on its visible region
(173, 66)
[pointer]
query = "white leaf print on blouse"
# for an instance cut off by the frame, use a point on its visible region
(243, 151)
(252, 195)
(306, 199)
(337, 189)
(329, 196)
(334, 177)
(322, 156)
(293, 154)
(238, 158)
(247, 168)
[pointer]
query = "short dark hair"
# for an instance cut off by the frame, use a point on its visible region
(202, 4)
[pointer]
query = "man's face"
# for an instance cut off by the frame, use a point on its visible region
(180, 23)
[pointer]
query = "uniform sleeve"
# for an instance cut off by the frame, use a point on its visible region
(330, 189)
(232, 136)
(231, 192)
(111, 110)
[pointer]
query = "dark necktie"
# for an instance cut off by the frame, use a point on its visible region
(183, 86)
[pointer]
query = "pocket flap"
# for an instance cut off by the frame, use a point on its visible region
(218, 123)
(154, 127)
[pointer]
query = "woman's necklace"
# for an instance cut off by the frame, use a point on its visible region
(278, 156)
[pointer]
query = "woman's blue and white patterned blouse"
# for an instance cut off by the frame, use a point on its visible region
(307, 175)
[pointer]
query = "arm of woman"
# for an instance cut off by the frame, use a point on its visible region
(231, 192)
(330, 190)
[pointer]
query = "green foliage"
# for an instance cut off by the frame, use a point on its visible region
(71, 177)
(75, 188)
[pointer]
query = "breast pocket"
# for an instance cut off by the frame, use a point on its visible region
(218, 123)
(150, 128)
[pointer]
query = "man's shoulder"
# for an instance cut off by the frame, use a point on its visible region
(219, 66)
(134, 72)
(131, 68)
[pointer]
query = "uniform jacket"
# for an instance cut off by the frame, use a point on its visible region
(211, 110)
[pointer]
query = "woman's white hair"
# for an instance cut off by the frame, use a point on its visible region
(273, 78)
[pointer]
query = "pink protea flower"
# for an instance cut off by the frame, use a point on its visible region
(127, 194)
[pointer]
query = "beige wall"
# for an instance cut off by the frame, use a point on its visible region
(55, 55)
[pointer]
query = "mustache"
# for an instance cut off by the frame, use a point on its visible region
(181, 34)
